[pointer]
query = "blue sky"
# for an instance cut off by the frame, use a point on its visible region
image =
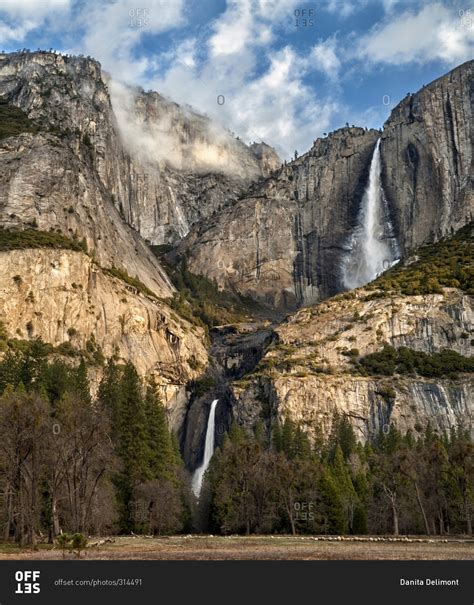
(282, 80)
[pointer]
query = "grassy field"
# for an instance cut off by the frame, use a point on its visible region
(256, 548)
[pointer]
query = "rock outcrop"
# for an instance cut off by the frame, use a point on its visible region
(62, 296)
(60, 178)
(285, 242)
(186, 167)
(308, 374)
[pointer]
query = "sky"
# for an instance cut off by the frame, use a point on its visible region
(281, 71)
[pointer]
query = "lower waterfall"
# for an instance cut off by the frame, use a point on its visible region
(208, 451)
(373, 247)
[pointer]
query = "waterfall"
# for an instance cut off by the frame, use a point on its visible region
(182, 224)
(373, 247)
(208, 451)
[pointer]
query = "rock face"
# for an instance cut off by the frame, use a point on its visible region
(63, 296)
(308, 373)
(186, 167)
(60, 178)
(427, 153)
(63, 178)
(49, 183)
(284, 244)
(162, 166)
(314, 400)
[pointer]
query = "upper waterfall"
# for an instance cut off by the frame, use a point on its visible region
(373, 248)
(208, 451)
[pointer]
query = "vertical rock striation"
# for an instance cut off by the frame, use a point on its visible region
(427, 155)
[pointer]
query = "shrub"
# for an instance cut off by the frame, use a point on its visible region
(448, 263)
(64, 541)
(389, 361)
(388, 393)
(203, 385)
(66, 348)
(78, 543)
(131, 281)
(14, 121)
(32, 238)
(351, 353)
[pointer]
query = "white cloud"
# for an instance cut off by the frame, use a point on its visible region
(32, 9)
(275, 106)
(233, 30)
(433, 33)
(113, 29)
(249, 22)
(11, 33)
(272, 104)
(324, 58)
(19, 17)
(186, 53)
(344, 8)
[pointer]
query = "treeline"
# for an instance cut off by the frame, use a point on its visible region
(398, 484)
(73, 463)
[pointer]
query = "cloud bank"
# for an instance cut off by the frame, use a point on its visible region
(246, 67)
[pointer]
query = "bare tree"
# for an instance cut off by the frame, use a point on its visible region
(24, 427)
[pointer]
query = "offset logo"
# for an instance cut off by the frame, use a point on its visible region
(27, 582)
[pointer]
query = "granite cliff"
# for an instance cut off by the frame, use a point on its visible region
(398, 351)
(284, 244)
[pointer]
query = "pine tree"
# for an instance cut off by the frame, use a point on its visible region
(80, 383)
(124, 399)
(347, 494)
(331, 504)
(161, 454)
(276, 436)
(109, 395)
(10, 369)
(133, 443)
(361, 486)
(301, 444)
(55, 381)
(34, 362)
(346, 437)
(288, 437)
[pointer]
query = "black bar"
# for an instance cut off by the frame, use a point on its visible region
(245, 582)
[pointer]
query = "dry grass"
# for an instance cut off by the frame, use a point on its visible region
(258, 548)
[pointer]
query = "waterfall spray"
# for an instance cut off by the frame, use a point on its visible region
(208, 451)
(373, 247)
